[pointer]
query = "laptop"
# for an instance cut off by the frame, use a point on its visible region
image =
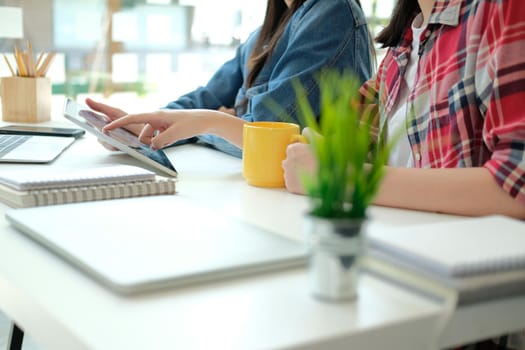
(132, 249)
(119, 138)
(32, 148)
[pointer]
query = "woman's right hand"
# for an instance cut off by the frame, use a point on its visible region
(164, 127)
(230, 111)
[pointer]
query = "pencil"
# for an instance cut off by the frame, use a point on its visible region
(30, 60)
(27, 64)
(20, 63)
(9, 65)
(38, 60)
(46, 64)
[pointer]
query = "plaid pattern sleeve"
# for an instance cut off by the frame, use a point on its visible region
(369, 104)
(467, 107)
(500, 80)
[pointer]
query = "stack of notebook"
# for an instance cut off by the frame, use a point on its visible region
(29, 188)
(477, 258)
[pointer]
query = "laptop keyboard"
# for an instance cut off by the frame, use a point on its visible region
(10, 142)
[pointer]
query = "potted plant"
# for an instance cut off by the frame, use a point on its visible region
(350, 167)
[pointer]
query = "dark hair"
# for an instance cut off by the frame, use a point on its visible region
(403, 13)
(277, 16)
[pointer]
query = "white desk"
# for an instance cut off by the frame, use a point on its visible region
(63, 309)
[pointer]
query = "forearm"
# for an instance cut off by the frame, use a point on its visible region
(465, 191)
(224, 125)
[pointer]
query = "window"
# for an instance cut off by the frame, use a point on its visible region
(155, 48)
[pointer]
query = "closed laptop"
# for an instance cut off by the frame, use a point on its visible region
(136, 245)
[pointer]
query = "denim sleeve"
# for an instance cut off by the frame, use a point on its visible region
(323, 34)
(220, 90)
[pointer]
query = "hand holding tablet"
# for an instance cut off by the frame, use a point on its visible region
(120, 138)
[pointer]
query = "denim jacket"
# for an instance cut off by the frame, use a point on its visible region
(321, 34)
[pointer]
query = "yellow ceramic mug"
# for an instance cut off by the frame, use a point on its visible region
(264, 149)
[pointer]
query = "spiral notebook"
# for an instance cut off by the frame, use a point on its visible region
(30, 187)
(480, 258)
(459, 248)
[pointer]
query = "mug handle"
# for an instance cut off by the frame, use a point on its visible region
(298, 138)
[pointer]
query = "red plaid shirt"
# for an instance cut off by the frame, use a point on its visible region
(467, 108)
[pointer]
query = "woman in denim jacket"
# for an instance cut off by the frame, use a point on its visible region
(298, 39)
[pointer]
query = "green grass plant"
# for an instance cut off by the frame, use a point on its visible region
(350, 163)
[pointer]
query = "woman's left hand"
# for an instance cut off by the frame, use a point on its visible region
(299, 160)
(112, 113)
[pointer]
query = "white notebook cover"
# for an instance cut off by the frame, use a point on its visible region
(50, 178)
(460, 248)
(140, 244)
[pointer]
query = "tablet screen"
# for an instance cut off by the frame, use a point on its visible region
(119, 138)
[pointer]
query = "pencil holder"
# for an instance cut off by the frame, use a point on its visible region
(26, 99)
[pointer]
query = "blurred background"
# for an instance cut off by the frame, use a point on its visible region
(154, 50)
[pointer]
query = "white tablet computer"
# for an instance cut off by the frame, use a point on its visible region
(119, 138)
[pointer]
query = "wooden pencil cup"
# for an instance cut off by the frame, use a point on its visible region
(26, 99)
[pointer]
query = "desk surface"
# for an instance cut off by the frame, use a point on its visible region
(62, 308)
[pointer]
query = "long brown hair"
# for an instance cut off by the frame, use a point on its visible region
(403, 13)
(277, 16)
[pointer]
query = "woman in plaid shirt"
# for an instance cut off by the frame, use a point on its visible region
(455, 72)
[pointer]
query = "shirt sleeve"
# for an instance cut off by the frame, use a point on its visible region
(500, 85)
